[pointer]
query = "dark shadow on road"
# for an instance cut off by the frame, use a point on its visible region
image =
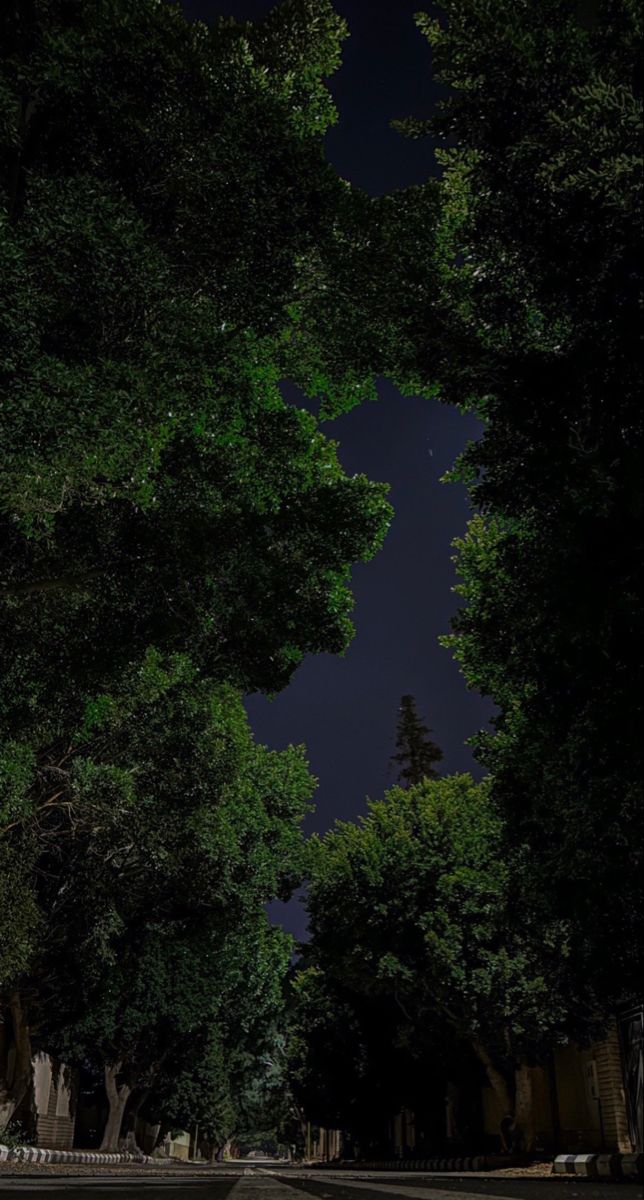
(564, 1188)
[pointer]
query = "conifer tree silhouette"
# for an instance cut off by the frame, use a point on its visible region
(416, 754)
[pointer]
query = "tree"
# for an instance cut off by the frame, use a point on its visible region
(415, 905)
(156, 488)
(353, 1063)
(153, 878)
(416, 753)
(193, 1089)
(539, 249)
(226, 1080)
(19, 930)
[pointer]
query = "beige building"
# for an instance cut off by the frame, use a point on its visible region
(580, 1104)
(324, 1145)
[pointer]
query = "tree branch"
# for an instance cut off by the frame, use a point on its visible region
(74, 581)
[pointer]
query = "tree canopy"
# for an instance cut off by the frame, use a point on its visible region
(156, 487)
(171, 833)
(539, 246)
(172, 532)
(415, 906)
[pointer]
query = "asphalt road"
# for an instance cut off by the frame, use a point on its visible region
(118, 1189)
(292, 1184)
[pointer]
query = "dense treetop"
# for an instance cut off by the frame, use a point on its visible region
(414, 930)
(541, 242)
(156, 489)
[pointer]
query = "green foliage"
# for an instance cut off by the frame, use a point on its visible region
(156, 489)
(17, 764)
(158, 492)
(505, 916)
(539, 252)
(222, 1076)
(195, 1090)
(170, 530)
(14, 1134)
(172, 533)
(19, 913)
(298, 45)
(355, 319)
(172, 833)
(418, 956)
(351, 1064)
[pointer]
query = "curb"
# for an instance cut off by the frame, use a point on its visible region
(36, 1154)
(421, 1164)
(600, 1166)
(590, 1166)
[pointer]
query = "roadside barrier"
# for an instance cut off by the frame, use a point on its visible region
(37, 1154)
(590, 1166)
(600, 1166)
(478, 1163)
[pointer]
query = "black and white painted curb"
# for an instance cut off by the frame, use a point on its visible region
(600, 1166)
(421, 1164)
(36, 1154)
(594, 1166)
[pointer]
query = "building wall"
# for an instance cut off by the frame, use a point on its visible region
(146, 1135)
(326, 1144)
(578, 1111)
(493, 1112)
(544, 1124)
(612, 1093)
(592, 1102)
(399, 1135)
(590, 1099)
(179, 1146)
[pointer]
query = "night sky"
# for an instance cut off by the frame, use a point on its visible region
(345, 709)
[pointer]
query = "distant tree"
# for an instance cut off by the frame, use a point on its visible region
(228, 1076)
(416, 753)
(354, 1060)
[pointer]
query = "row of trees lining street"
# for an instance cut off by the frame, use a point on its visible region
(174, 535)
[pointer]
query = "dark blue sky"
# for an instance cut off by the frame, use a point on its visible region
(345, 709)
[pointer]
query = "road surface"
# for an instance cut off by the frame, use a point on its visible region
(297, 1184)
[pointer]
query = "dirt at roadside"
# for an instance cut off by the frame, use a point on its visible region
(535, 1168)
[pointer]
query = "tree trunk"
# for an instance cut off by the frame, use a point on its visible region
(132, 1115)
(523, 1107)
(117, 1097)
(162, 1130)
(517, 1128)
(16, 1071)
(497, 1079)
